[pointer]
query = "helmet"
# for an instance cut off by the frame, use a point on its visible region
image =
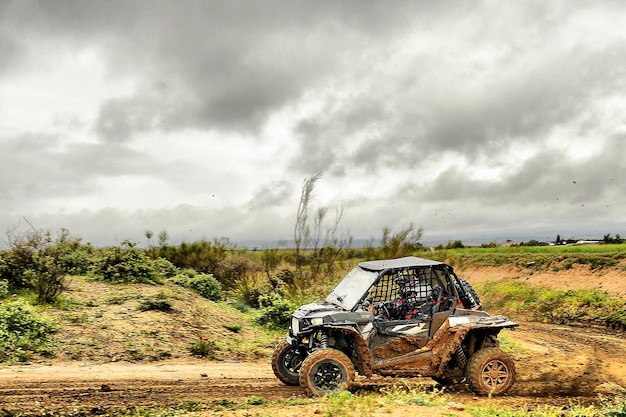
(408, 289)
(418, 292)
(403, 280)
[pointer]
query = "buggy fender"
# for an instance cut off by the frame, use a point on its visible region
(358, 350)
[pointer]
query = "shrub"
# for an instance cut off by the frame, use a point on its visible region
(234, 267)
(39, 261)
(47, 277)
(164, 268)
(4, 288)
(275, 310)
(20, 258)
(207, 286)
(249, 288)
(270, 258)
(204, 284)
(127, 265)
(74, 257)
(21, 329)
(202, 256)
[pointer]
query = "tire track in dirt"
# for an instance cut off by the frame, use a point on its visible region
(93, 396)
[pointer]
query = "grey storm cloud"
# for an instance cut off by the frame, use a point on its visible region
(39, 165)
(546, 177)
(217, 64)
(524, 99)
(271, 195)
(362, 91)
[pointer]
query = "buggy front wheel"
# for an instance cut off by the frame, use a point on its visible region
(286, 363)
(326, 371)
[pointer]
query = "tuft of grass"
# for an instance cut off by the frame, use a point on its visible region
(203, 348)
(233, 327)
(118, 299)
(416, 395)
(78, 319)
(256, 400)
(67, 304)
(345, 403)
(158, 302)
(193, 404)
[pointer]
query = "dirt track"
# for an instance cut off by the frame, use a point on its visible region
(558, 364)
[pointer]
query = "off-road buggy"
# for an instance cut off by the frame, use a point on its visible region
(400, 317)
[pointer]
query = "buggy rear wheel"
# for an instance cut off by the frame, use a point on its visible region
(326, 371)
(468, 295)
(490, 371)
(286, 363)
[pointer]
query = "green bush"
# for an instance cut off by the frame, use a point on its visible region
(256, 400)
(207, 286)
(74, 257)
(204, 284)
(47, 277)
(39, 261)
(125, 265)
(202, 256)
(4, 288)
(234, 267)
(275, 310)
(164, 268)
(617, 318)
(249, 288)
(21, 329)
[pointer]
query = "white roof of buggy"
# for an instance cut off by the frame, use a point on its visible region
(406, 262)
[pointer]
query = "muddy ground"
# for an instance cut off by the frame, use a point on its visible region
(556, 365)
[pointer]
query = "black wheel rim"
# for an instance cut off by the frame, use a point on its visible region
(328, 377)
(495, 374)
(292, 361)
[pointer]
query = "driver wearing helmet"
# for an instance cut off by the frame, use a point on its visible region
(412, 295)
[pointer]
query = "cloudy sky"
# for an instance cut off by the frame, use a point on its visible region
(472, 119)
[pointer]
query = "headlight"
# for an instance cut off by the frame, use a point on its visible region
(316, 321)
(295, 326)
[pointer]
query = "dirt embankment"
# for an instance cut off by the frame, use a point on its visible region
(577, 277)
